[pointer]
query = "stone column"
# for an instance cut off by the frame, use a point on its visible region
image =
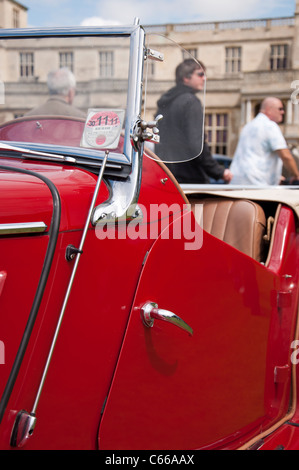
(289, 112)
(248, 115)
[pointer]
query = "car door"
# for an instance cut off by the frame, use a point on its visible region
(172, 390)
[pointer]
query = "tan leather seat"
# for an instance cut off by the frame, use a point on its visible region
(238, 222)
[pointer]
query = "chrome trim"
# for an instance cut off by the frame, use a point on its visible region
(23, 429)
(25, 422)
(75, 155)
(233, 187)
(26, 227)
(47, 263)
(150, 311)
(10, 33)
(134, 32)
(80, 251)
(124, 194)
(4, 146)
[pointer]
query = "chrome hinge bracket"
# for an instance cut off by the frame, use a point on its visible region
(154, 55)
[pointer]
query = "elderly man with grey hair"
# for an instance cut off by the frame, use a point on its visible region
(62, 88)
(262, 150)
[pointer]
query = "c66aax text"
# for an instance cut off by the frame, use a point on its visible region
(153, 459)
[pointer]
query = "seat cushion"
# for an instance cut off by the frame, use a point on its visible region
(239, 222)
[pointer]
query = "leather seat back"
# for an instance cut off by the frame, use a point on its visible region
(239, 222)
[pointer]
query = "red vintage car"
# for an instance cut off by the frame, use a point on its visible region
(134, 313)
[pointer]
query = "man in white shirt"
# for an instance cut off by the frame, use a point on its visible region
(262, 149)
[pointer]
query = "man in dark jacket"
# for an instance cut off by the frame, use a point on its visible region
(182, 129)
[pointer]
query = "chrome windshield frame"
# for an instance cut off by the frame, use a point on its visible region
(122, 203)
(134, 96)
(123, 194)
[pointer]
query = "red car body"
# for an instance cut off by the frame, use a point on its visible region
(108, 379)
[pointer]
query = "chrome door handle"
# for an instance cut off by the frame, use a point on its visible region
(150, 312)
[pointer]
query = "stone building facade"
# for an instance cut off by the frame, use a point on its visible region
(12, 14)
(245, 61)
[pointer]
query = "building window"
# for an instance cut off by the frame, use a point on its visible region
(279, 57)
(26, 65)
(106, 64)
(216, 128)
(15, 18)
(233, 59)
(150, 69)
(66, 59)
(189, 53)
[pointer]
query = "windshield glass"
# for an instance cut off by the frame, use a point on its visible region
(65, 91)
(175, 89)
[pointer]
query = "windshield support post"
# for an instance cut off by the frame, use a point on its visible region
(124, 194)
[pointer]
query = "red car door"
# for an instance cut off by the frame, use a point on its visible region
(172, 390)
